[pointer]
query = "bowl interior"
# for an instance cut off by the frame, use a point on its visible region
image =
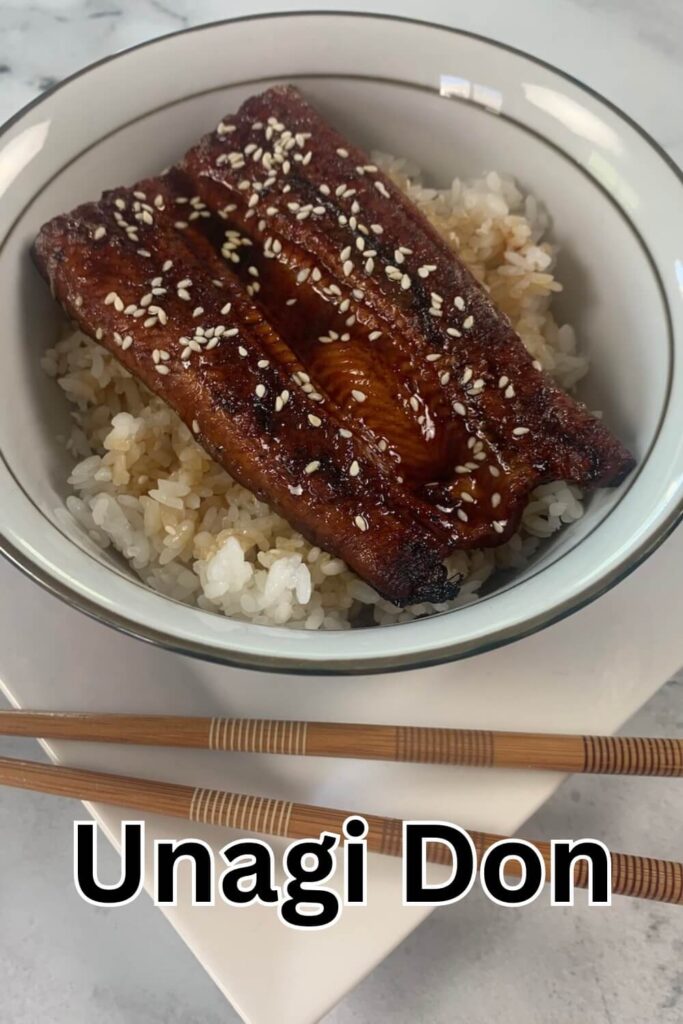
(611, 293)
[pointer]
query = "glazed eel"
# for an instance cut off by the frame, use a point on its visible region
(325, 345)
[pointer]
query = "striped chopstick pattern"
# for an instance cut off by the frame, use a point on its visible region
(632, 755)
(258, 736)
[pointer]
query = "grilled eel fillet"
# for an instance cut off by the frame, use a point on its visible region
(325, 345)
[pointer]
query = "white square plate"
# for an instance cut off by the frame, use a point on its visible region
(586, 674)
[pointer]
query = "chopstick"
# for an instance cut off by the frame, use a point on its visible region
(644, 877)
(612, 755)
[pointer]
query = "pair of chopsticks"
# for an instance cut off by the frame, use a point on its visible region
(631, 875)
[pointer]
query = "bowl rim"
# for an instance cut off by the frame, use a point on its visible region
(370, 664)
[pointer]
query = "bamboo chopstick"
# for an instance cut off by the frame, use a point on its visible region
(644, 877)
(612, 755)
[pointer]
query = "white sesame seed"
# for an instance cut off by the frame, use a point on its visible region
(509, 391)
(342, 152)
(405, 282)
(359, 396)
(494, 471)
(462, 515)
(459, 302)
(312, 467)
(467, 322)
(377, 229)
(459, 408)
(111, 297)
(503, 382)
(433, 357)
(262, 364)
(361, 522)
(343, 432)
(315, 421)
(242, 351)
(520, 431)
(127, 342)
(354, 468)
(536, 365)
(197, 311)
(162, 369)
(260, 390)
(495, 500)
(414, 404)
(444, 378)
(453, 332)
(374, 335)
(100, 232)
(382, 189)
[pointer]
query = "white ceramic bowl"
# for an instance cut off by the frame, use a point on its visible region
(456, 103)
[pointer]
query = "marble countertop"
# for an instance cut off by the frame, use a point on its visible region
(61, 960)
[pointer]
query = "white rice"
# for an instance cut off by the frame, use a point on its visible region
(145, 487)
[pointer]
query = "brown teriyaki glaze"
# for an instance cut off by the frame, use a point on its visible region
(325, 346)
